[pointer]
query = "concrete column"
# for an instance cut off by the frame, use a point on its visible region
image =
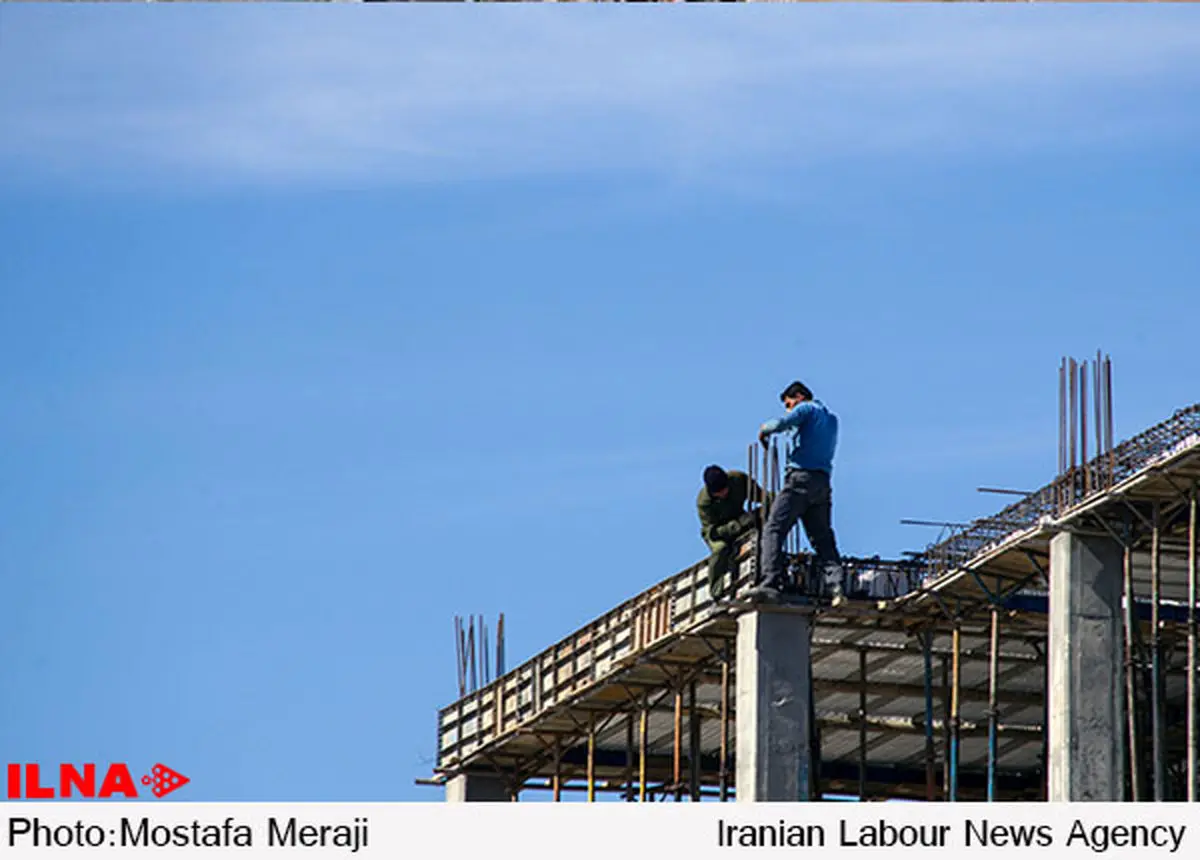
(476, 787)
(774, 673)
(1085, 714)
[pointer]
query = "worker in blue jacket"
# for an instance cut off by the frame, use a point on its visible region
(807, 493)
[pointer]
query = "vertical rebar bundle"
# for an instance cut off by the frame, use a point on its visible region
(471, 659)
(1078, 474)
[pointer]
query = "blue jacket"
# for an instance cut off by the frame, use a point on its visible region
(813, 430)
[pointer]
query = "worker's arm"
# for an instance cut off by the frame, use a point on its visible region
(795, 418)
(711, 530)
(733, 528)
(708, 524)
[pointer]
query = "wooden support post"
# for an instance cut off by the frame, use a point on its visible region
(930, 753)
(693, 744)
(956, 681)
(557, 779)
(862, 724)
(591, 759)
(677, 769)
(723, 764)
(643, 730)
(629, 758)
(993, 716)
(946, 720)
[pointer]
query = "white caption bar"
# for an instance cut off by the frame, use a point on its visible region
(393, 830)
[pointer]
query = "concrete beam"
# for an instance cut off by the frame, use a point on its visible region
(774, 672)
(476, 787)
(1085, 712)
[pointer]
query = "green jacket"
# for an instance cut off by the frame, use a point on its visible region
(718, 517)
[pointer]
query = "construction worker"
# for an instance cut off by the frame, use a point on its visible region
(721, 505)
(807, 493)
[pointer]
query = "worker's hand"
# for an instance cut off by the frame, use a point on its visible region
(763, 437)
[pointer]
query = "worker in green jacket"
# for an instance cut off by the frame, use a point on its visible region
(721, 505)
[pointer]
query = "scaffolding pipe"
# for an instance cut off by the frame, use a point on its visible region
(1191, 653)
(811, 785)
(993, 716)
(946, 720)
(677, 769)
(1156, 703)
(956, 681)
(930, 755)
(862, 724)
(556, 781)
(1135, 775)
(591, 759)
(643, 730)
(1046, 722)
(724, 760)
(693, 744)
(629, 758)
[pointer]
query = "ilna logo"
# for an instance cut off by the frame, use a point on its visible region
(73, 781)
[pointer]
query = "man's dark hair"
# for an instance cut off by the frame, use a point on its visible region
(715, 479)
(796, 389)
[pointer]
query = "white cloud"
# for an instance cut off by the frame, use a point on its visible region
(339, 94)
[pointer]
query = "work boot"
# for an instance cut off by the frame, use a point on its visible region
(834, 581)
(768, 590)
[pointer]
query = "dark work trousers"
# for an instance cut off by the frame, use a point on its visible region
(718, 565)
(722, 557)
(806, 497)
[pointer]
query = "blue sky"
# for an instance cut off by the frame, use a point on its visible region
(319, 325)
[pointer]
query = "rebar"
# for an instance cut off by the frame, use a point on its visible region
(1108, 420)
(471, 653)
(1074, 428)
(1084, 462)
(1062, 417)
(484, 662)
(1097, 414)
(1126, 459)
(460, 656)
(500, 646)
(751, 487)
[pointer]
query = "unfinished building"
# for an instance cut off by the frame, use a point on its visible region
(1045, 653)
